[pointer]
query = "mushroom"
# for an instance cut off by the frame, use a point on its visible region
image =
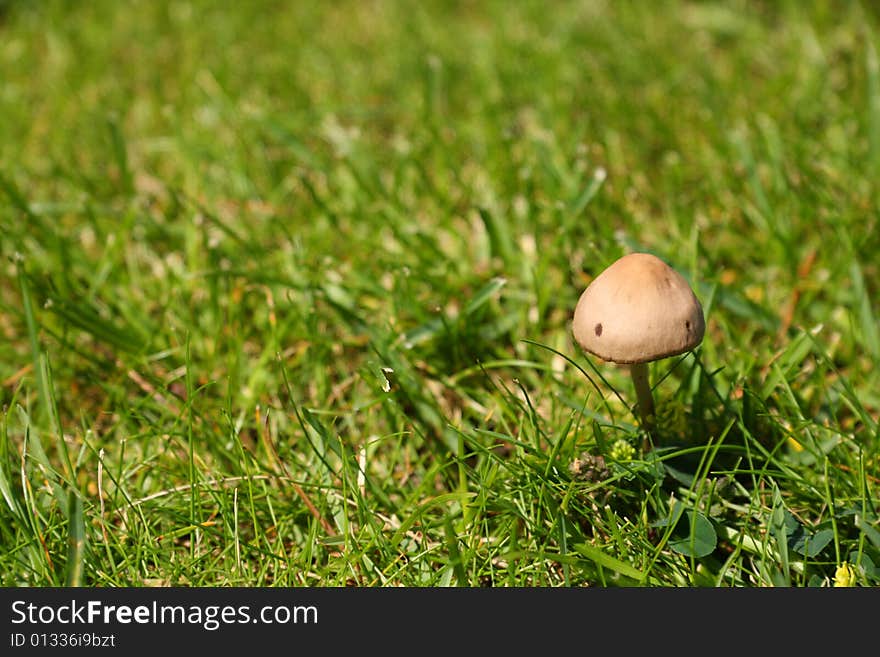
(636, 311)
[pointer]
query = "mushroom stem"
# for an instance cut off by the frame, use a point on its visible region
(639, 373)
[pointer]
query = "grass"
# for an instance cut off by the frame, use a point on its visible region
(286, 293)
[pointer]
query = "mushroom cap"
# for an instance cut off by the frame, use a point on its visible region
(638, 310)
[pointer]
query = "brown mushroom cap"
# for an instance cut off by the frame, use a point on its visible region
(638, 310)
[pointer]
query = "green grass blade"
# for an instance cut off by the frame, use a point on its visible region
(605, 560)
(76, 541)
(870, 328)
(872, 75)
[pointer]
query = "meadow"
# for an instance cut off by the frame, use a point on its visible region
(286, 292)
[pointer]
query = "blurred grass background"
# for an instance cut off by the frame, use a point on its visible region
(287, 287)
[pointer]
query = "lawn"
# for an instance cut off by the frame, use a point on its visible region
(286, 293)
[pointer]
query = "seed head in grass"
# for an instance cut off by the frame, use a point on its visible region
(622, 450)
(636, 311)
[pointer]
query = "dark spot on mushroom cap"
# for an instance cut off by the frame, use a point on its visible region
(687, 325)
(598, 329)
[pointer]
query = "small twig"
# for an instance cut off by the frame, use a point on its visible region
(266, 435)
(13, 379)
(313, 509)
(846, 468)
(150, 389)
(803, 270)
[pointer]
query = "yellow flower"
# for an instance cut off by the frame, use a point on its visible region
(621, 450)
(844, 575)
